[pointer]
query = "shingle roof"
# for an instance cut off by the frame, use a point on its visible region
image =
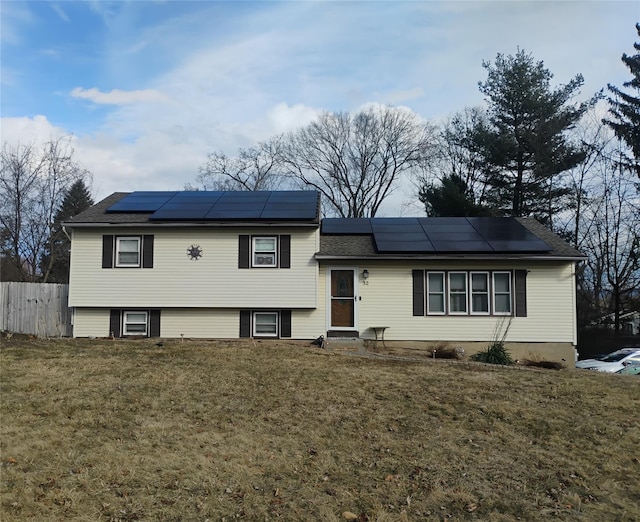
(338, 246)
(362, 246)
(289, 210)
(96, 213)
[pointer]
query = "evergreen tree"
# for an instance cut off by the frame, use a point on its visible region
(524, 143)
(55, 262)
(452, 198)
(625, 109)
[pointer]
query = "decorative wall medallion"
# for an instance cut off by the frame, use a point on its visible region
(194, 252)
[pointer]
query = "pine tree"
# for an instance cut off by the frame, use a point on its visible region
(452, 198)
(55, 262)
(524, 145)
(624, 109)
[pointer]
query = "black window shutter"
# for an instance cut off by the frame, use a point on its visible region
(418, 292)
(154, 323)
(107, 251)
(245, 323)
(521, 293)
(114, 323)
(285, 323)
(243, 251)
(285, 251)
(147, 251)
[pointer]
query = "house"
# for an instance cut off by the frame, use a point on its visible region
(264, 264)
(629, 322)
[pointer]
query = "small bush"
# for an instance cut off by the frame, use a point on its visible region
(449, 352)
(496, 353)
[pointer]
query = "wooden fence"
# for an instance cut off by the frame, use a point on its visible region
(39, 309)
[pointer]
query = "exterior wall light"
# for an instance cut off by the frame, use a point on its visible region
(365, 274)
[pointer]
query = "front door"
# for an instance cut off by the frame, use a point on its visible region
(343, 299)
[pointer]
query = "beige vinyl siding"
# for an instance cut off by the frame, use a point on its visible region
(193, 323)
(200, 323)
(386, 300)
(91, 322)
(177, 281)
(225, 324)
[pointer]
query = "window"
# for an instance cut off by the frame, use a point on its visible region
(502, 293)
(264, 252)
(128, 251)
(463, 292)
(479, 293)
(435, 291)
(135, 323)
(457, 292)
(265, 324)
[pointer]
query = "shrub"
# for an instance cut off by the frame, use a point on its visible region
(496, 353)
(449, 352)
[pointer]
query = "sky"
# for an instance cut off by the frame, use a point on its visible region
(146, 89)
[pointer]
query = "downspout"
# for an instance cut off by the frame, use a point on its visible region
(72, 311)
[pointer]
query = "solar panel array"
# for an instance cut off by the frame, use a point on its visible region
(436, 235)
(221, 205)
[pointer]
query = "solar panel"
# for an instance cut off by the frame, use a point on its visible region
(451, 235)
(400, 235)
(508, 235)
(231, 205)
(141, 202)
(229, 213)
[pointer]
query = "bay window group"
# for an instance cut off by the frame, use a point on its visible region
(468, 292)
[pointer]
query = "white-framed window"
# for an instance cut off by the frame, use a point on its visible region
(264, 252)
(480, 293)
(435, 293)
(135, 322)
(457, 292)
(265, 324)
(465, 292)
(128, 251)
(502, 293)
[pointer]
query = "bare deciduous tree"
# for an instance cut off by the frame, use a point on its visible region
(611, 238)
(254, 168)
(33, 182)
(356, 160)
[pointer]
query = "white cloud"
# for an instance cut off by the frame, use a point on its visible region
(399, 96)
(30, 131)
(228, 77)
(119, 97)
(60, 12)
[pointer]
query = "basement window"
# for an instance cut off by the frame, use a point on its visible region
(135, 323)
(265, 324)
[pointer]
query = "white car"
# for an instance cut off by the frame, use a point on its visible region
(614, 362)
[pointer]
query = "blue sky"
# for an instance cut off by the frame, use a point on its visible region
(148, 88)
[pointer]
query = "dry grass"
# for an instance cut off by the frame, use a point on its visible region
(104, 430)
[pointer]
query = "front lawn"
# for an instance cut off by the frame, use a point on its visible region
(128, 430)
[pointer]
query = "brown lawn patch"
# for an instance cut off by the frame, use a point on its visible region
(127, 430)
